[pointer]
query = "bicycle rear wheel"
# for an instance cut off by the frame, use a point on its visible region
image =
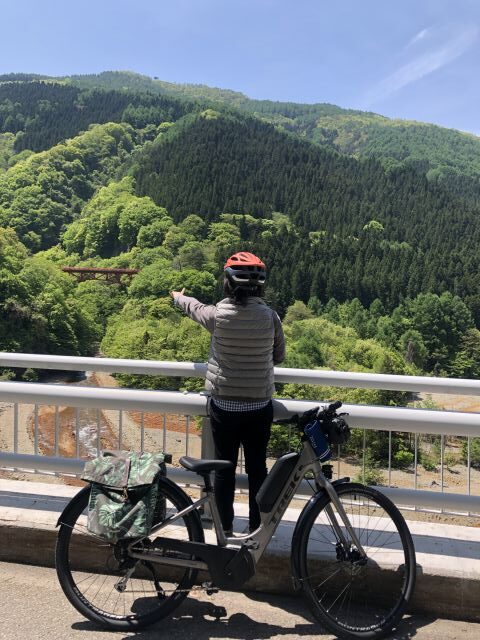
(354, 598)
(112, 589)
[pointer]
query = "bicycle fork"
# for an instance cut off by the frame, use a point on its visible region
(330, 489)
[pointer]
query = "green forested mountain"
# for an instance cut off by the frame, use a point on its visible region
(352, 220)
(42, 193)
(44, 113)
(443, 154)
(370, 228)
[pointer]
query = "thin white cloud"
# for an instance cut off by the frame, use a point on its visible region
(424, 64)
(421, 35)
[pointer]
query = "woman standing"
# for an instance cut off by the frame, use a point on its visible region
(247, 341)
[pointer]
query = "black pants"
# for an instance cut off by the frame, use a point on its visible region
(231, 429)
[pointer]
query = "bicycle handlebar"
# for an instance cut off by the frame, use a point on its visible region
(332, 424)
(317, 412)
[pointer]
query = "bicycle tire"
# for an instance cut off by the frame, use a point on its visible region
(352, 600)
(88, 568)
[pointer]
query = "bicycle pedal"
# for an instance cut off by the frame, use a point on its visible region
(218, 612)
(210, 589)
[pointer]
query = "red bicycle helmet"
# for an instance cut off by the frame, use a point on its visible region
(245, 270)
(244, 259)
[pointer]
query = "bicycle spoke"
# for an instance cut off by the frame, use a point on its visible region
(345, 589)
(106, 585)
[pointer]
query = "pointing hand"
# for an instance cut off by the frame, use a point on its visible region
(174, 294)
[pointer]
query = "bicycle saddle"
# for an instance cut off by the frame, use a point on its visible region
(204, 466)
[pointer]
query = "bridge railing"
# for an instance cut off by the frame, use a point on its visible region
(23, 444)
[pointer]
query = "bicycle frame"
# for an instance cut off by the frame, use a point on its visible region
(257, 541)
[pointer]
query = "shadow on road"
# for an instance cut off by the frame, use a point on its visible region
(293, 604)
(200, 620)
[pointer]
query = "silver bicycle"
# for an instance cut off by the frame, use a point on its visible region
(352, 555)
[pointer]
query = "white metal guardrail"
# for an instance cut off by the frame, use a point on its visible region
(415, 421)
(282, 374)
(195, 404)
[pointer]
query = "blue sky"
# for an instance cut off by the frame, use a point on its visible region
(414, 59)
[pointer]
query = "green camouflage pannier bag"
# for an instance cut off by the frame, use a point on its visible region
(124, 497)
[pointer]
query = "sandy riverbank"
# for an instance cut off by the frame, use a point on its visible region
(68, 432)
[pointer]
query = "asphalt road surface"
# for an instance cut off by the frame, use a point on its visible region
(32, 607)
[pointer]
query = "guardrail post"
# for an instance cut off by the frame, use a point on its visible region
(15, 427)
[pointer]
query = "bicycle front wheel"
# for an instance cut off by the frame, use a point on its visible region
(109, 587)
(355, 597)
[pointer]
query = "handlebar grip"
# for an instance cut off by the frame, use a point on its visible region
(334, 406)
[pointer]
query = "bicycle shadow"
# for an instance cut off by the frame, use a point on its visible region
(204, 621)
(407, 628)
(201, 620)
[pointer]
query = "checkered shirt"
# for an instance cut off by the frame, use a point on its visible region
(239, 405)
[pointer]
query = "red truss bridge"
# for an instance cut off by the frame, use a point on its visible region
(106, 274)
